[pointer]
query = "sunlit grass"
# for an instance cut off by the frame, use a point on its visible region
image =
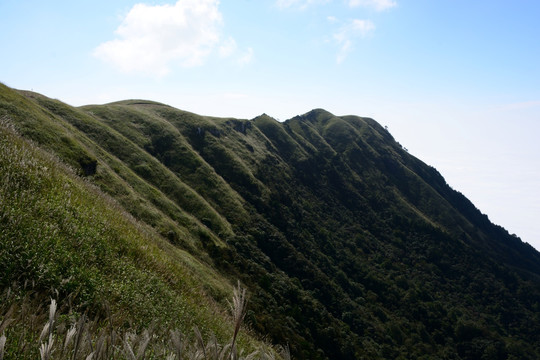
(62, 238)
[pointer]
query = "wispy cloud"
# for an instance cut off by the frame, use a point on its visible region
(229, 47)
(378, 5)
(246, 57)
(348, 33)
(300, 4)
(332, 19)
(151, 39)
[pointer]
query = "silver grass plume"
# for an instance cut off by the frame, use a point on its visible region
(7, 318)
(2, 345)
(69, 336)
(143, 344)
(128, 350)
(48, 328)
(45, 349)
(52, 310)
(285, 352)
(177, 340)
(238, 311)
(200, 341)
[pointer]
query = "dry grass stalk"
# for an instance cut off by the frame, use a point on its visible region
(80, 326)
(2, 346)
(7, 319)
(61, 338)
(178, 343)
(238, 311)
(45, 350)
(69, 336)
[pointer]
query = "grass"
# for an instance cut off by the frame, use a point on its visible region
(62, 238)
(143, 186)
(33, 331)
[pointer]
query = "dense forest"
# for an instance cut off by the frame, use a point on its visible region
(349, 246)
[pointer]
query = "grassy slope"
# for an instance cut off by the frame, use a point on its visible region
(61, 236)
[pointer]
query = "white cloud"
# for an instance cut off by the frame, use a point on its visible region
(301, 4)
(378, 5)
(151, 39)
(228, 47)
(332, 19)
(346, 35)
(246, 57)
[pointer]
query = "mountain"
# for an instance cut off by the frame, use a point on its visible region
(349, 246)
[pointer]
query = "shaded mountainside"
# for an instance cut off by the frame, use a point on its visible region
(350, 247)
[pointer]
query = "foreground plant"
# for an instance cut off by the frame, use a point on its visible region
(238, 310)
(70, 337)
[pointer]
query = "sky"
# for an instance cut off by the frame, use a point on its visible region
(457, 82)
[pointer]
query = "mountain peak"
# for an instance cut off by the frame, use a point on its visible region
(264, 117)
(318, 114)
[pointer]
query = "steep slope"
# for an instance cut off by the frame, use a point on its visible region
(62, 238)
(351, 247)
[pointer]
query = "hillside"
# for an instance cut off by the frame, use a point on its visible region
(349, 246)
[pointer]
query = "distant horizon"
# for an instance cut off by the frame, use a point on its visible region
(455, 82)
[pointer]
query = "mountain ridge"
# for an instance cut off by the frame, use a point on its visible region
(350, 246)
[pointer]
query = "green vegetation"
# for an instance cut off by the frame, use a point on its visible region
(74, 336)
(61, 237)
(350, 247)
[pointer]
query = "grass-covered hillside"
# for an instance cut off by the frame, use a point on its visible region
(349, 246)
(115, 281)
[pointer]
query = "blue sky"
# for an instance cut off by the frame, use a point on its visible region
(457, 82)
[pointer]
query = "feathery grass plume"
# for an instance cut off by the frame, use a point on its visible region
(45, 350)
(101, 347)
(215, 350)
(52, 310)
(285, 352)
(128, 350)
(2, 345)
(200, 341)
(131, 340)
(143, 344)
(69, 336)
(253, 355)
(48, 328)
(238, 311)
(81, 327)
(178, 343)
(3, 325)
(112, 333)
(45, 332)
(7, 319)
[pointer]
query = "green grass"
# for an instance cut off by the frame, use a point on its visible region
(60, 236)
